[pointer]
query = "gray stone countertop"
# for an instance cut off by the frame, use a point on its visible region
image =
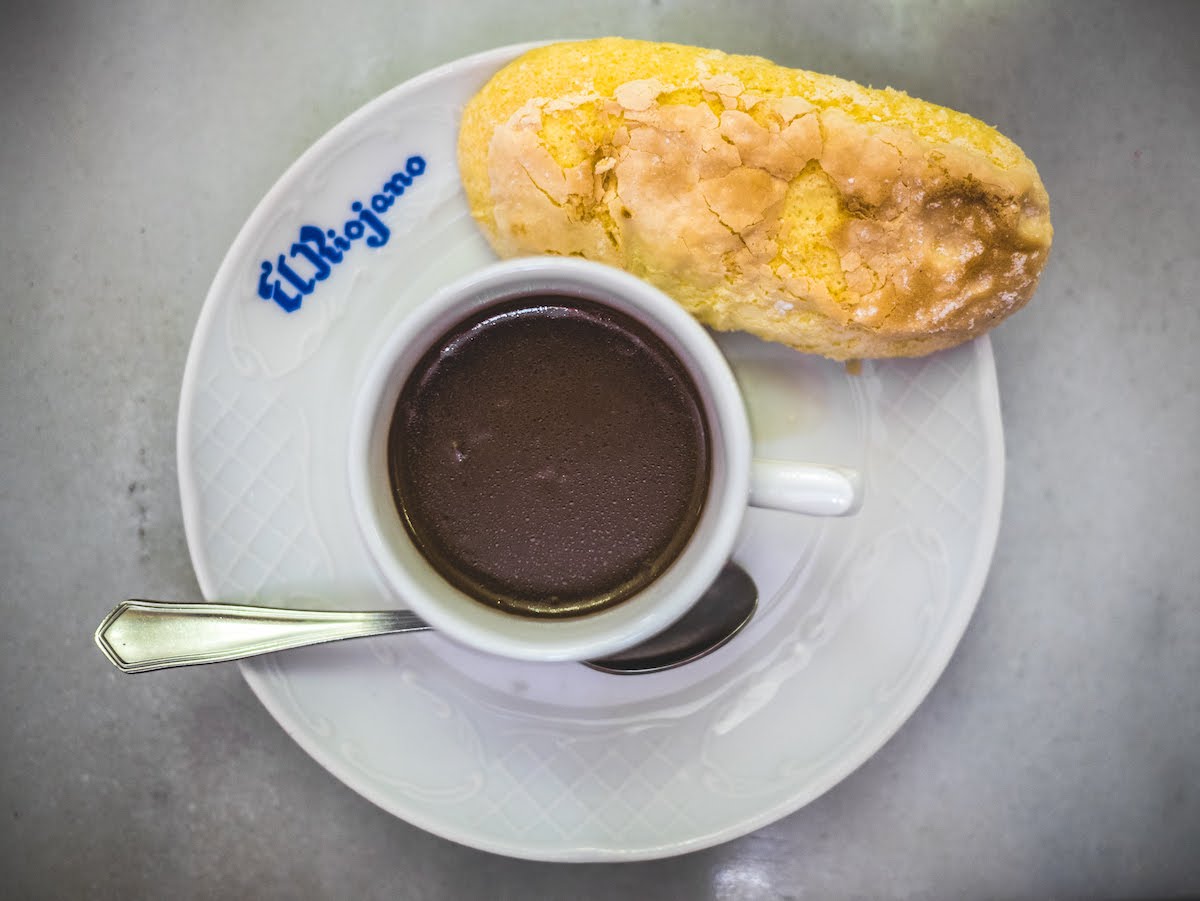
(1058, 756)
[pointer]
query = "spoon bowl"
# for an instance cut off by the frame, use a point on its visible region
(721, 613)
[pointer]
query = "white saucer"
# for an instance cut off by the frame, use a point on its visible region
(857, 617)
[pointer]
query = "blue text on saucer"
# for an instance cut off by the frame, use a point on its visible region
(313, 255)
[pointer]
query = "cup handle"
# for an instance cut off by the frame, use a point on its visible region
(805, 488)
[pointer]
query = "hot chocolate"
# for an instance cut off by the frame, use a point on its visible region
(549, 456)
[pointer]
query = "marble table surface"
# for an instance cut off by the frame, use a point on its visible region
(1058, 756)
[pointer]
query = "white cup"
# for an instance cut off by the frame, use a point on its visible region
(736, 478)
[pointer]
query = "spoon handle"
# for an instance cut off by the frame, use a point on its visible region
(147, 635)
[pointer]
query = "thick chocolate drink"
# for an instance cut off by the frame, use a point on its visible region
(549, 456)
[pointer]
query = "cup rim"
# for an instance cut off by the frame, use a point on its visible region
(447, 609)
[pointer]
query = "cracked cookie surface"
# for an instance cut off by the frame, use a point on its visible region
(806, 209)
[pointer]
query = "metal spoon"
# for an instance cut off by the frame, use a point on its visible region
(139, 636)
